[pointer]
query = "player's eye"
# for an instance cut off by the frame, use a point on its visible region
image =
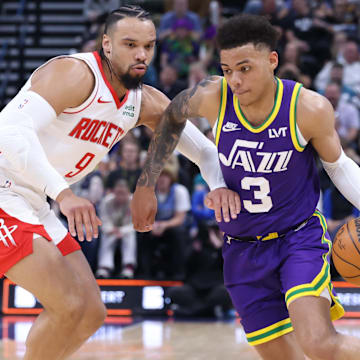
(226, 71)
(245, 68)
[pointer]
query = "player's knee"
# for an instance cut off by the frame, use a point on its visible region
(319, 347)
(95, 315)
(92, 317)
(69, 312)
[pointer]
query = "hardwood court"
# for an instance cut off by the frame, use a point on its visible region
(153, 339)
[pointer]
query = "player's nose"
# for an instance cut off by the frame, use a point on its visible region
(236, 80)
(141, 55)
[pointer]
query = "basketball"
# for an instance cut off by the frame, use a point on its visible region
(346, 251)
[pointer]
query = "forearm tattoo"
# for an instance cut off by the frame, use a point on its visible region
(167, 133)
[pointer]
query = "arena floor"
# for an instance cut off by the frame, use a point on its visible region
(131, 339)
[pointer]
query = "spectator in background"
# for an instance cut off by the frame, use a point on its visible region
(348, 56)
(169, 83)
(272, 9)
(337, 50)
(351, 65)
(311, 34)
(208, 53)
(344, 17)
(291, 66)
(180, 11)
(168, 238)
(197, 73)
(347, 121)
(91, 188)
(347, 94)
(203, 292)
(115, 214)
(180, 49)
(128, 168)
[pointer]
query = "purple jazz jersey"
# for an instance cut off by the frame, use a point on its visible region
(275, 176)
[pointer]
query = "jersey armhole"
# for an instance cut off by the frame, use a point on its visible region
(220, 119)
(297, 138)
(93, 94)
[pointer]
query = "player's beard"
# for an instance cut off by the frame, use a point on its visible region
(129, 81)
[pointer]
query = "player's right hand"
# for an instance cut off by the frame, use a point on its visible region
(80, 213)
(225, 202)
(143, 208)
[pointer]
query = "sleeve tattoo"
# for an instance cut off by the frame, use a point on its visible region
(167, 133)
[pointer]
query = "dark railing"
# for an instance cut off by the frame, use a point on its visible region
(21, 40)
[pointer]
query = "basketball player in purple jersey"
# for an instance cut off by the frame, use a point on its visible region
(276, 251)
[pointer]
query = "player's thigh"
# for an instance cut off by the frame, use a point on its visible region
(47, 275)
(310, 317)
(284, 347)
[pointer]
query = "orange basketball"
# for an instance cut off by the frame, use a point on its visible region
(346, 251)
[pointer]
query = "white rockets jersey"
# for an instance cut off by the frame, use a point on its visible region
(77, 140)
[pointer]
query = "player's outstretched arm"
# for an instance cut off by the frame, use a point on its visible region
(317, 124)
(171, 129)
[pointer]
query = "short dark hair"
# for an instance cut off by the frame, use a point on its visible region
(123, 12)
(245, 29)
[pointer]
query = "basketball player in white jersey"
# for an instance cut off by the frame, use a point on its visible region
(69, 114)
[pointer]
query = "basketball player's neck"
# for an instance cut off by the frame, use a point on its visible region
(257, 111)
(113, 79)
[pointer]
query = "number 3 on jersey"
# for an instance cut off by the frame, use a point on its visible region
(81, 165)
(262, 194)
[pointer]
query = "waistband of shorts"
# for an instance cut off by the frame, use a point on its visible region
(269, 236)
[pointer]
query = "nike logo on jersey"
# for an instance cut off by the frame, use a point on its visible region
(230, 126)
(103, 101)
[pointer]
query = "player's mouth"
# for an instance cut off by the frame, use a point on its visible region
(139, 69)
(240, 92)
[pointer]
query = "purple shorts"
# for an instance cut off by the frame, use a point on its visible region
(264, 277)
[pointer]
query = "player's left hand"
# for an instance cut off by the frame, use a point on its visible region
(224, 202)
(143, 208)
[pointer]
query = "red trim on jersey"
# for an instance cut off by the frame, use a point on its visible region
(113, 92)
(76, 112)
(16, 240)
(68, 245)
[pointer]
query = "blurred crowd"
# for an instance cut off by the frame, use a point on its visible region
(319, 47)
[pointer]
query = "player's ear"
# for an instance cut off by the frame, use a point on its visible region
(274, 60)
(106, 44)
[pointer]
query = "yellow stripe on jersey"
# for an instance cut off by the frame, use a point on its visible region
(270, 118)
(221, 110)
(293, 103)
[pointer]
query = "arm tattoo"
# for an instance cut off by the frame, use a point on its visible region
(167, 134)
